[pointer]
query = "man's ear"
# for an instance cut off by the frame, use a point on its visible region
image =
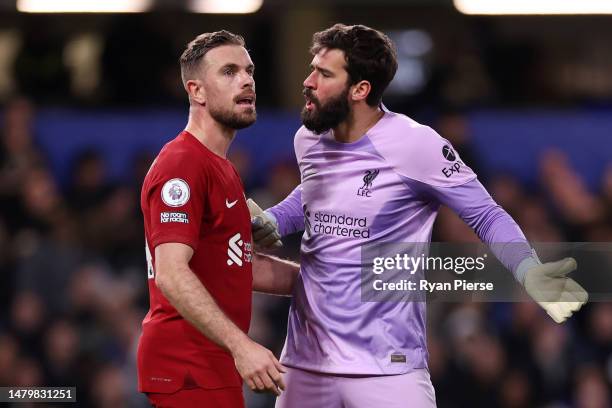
(360, 91)
(195, 90)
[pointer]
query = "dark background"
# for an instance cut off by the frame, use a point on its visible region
(88, 100)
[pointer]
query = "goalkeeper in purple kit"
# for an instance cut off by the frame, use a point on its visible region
(369, 175)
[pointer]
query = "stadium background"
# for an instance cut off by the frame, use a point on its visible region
(88, 99)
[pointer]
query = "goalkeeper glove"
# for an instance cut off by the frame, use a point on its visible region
(264, 227)
(549, 285)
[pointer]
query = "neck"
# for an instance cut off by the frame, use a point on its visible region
(359, 121)
(212, 134)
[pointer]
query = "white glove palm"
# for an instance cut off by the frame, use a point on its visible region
(549, 285)
(264, 227)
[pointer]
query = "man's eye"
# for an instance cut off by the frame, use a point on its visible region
(228, 72)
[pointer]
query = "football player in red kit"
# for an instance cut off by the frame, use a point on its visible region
(194, 350)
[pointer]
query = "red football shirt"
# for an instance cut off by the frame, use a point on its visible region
(192, 196)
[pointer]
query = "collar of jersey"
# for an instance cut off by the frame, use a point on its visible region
(329, 135)
(194, 140)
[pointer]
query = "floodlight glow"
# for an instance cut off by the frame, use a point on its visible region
(83, 6)
(225, 6)
(526, 7)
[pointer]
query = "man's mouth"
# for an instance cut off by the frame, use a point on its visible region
(246, 100)
(310, 105)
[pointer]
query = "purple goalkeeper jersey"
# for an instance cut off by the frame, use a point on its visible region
(384, 188)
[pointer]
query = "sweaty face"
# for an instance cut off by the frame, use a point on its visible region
(326, 91)
(230, 87)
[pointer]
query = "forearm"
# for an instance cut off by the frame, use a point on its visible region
(288, 214)
(493, 225)
(273, 275)
(192, 300)
(501, 233)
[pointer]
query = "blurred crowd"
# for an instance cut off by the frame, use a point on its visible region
(74, 286)
(71, 264)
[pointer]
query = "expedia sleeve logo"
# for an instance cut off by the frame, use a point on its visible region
(448, 153)
(451, 156)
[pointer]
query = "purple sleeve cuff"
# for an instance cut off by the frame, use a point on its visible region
(525, 265)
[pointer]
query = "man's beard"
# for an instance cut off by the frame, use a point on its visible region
(233, 120)
(327, 116)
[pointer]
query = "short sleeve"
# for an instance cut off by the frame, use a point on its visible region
(177, 199)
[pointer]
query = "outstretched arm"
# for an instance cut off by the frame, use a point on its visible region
(547, 283)
(493, 225)
(437, 172)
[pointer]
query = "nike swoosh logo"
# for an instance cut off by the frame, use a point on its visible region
(230, 205)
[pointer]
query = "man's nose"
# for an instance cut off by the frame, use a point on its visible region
(309, 82)
(248, 81)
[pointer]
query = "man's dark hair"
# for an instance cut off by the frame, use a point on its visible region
(197, 49)
(370, 55)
